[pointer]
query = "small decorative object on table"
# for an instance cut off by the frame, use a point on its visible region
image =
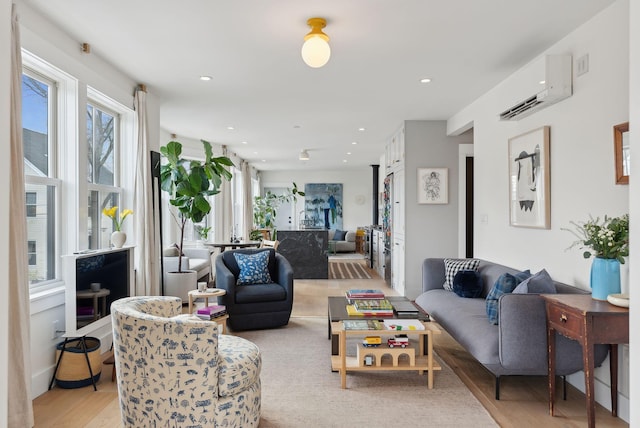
(608, 240)
(118, 237)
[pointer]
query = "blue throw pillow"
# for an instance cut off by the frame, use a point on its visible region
(467, 283)
(539, 283)
(506, 283)
(339, 235)
(452, 266)
(253, 268)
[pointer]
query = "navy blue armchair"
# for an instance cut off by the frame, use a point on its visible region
(256, 306)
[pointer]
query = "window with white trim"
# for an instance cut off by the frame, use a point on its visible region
(41, 184)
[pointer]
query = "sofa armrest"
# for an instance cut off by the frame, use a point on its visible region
(225, 280)
(522, 336)
(285, 275)
(350, 236)
(170, 264)
(433, 274)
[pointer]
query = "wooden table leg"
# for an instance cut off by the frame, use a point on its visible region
(190, 303)
(551, 341)
(421, 349)
(589, 383)
(613, 369)
(430, 360)
(343, 358)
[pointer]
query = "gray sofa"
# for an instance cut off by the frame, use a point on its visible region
(518, 344)
(347, 245)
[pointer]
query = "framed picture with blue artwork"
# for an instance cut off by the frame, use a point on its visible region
(433, 185)
(529, 201)
(323, 205)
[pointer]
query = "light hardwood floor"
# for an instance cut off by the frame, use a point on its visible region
(523, 400)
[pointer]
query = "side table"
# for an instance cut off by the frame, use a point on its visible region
(590, 322)
(206, 295)
(94, 296)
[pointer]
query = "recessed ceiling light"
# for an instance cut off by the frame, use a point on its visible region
(425, 80)
(230, 128)
(354, 142)
(244, 142)
(255, 153)
(360, 129)
(264, 160)
(205, 78)
(344, 160)
(542, 82)
(348, 153)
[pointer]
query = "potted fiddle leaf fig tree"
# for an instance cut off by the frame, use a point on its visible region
(189, 184)
(265, 209)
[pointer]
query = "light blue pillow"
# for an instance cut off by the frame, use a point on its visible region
(540, 283)
(254, 268)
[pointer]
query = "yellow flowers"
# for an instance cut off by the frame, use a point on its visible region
(117, 220)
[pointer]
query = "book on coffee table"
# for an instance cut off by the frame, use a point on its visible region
(362, 325)
(364, 294)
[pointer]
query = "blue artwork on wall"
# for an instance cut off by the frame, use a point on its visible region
(323, 205)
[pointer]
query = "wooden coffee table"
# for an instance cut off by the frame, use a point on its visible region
(420, 359)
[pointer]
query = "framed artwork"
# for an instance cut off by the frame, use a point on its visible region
(529, 199)
(323, 205)
(622, 152)
(433, 185)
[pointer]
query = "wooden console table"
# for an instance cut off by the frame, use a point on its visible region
(590, 322)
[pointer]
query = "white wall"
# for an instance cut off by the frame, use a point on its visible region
(5, 85)
(54, 46)
(634, 208)
(581, 154)
(356, 183)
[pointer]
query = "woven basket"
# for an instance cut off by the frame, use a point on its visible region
(73, 371)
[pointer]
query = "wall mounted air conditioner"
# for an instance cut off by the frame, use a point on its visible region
(558, 86)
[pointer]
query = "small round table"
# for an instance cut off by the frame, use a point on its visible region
(208, 293)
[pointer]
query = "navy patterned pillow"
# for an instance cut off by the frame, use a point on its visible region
(254, 268)
(453, 266)
(506, 283)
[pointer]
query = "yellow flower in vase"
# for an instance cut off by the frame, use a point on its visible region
(112, 213)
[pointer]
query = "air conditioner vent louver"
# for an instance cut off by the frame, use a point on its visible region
(558, 86)
(519, 109)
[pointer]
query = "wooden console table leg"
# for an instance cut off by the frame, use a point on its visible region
(551, 340)
(613, 369)
(589, 383)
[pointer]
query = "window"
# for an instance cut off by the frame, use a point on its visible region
(102, 172)
(31, 200)
(237, 202)
(41, 184)
(32, 253)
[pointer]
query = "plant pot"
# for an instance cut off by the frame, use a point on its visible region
(605, 278)
(180, 283)
(118, 238)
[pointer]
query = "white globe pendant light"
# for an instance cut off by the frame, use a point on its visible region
(316, 50)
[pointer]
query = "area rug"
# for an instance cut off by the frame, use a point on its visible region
(348, 270)
(299, 389)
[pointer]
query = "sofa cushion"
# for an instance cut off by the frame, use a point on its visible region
(339, 235)
(253, 268)
(467, 283)
(539, 283)
(506, 283)
(452, 266)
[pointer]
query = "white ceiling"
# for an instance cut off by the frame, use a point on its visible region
(278, 105)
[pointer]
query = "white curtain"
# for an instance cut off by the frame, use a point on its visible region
(227, 208)
(247, 203)
(147, 229)
(20, 411)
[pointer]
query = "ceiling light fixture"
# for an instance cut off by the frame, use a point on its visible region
(205, 78)
(425, 80)
(304, 155)
(316, 50)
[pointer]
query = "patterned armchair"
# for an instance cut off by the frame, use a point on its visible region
(175, 370)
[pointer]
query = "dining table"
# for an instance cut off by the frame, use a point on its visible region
(234, 244)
